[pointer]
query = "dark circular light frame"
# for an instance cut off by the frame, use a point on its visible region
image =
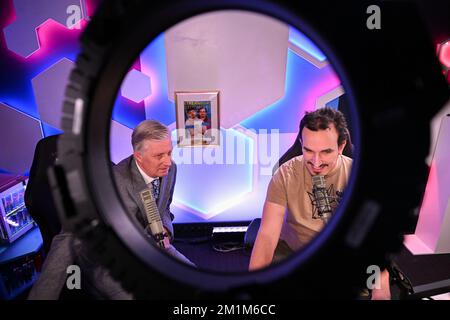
(378, 201)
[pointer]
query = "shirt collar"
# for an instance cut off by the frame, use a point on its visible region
(145, 176)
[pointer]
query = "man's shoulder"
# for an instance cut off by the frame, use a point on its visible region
(347, 161)
(293, 163)
(290, 166)
(123, 167)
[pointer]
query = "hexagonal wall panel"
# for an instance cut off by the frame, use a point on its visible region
(49, 87)
(301, 45)
(21, 36)
(19, 134)
(120, 142)
(136, 86)
(241, 54)
(213, 179)
(322, 100)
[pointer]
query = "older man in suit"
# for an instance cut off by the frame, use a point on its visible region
(150, 166)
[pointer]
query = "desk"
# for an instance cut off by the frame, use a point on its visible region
(421, 275)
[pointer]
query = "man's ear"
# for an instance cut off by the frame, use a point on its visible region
(342, 146)
(138, 156)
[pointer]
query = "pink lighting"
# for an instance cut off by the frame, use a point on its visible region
(91, 7)
(444, 54)
(9, 13)
(423, 239)
(432, 234)
(155, 83)
(331, 82)
(52, 34)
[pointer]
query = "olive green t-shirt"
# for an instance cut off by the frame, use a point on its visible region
(291, 187)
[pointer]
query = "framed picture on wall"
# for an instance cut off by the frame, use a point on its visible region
(197, 118)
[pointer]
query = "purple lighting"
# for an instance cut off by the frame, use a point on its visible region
(54, 80)
(19, 134)
(136, 86)
(22, 36)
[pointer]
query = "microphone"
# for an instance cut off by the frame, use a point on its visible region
(154, 219)
(321, 199)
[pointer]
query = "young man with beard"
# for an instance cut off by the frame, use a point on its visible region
(324, 135)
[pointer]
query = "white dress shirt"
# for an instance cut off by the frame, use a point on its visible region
(145, 176)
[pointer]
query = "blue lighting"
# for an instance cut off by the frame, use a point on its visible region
(302, 80)
(217, 192)
(16, 74)
(304, 43)
(127, 112)
(18, 93)
(153, 63)
(49, 130)
(333, 103)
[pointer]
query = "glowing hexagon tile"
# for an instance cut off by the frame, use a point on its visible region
(19, 134)
(324, 99)
(305, 48)
(268, 148)
(21, 36)
(211, 180)
(304, 84)
(136, 86)
(120, 142)
(49, 87)
(250, 77)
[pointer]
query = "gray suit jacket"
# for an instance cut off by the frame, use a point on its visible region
(67, 250)
(130, 183)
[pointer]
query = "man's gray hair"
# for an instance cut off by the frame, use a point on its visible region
(148, 130)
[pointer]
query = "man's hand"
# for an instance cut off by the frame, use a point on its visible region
(166, 242)
(384, 293)
(166, 238)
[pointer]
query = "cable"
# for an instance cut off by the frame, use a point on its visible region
(228, 247)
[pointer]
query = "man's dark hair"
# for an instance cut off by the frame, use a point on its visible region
(321, 120)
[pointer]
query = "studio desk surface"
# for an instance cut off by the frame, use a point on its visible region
(421, 275)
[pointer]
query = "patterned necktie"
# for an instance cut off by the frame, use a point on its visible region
(155, 189)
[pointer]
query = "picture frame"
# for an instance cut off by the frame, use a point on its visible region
(197, 118)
